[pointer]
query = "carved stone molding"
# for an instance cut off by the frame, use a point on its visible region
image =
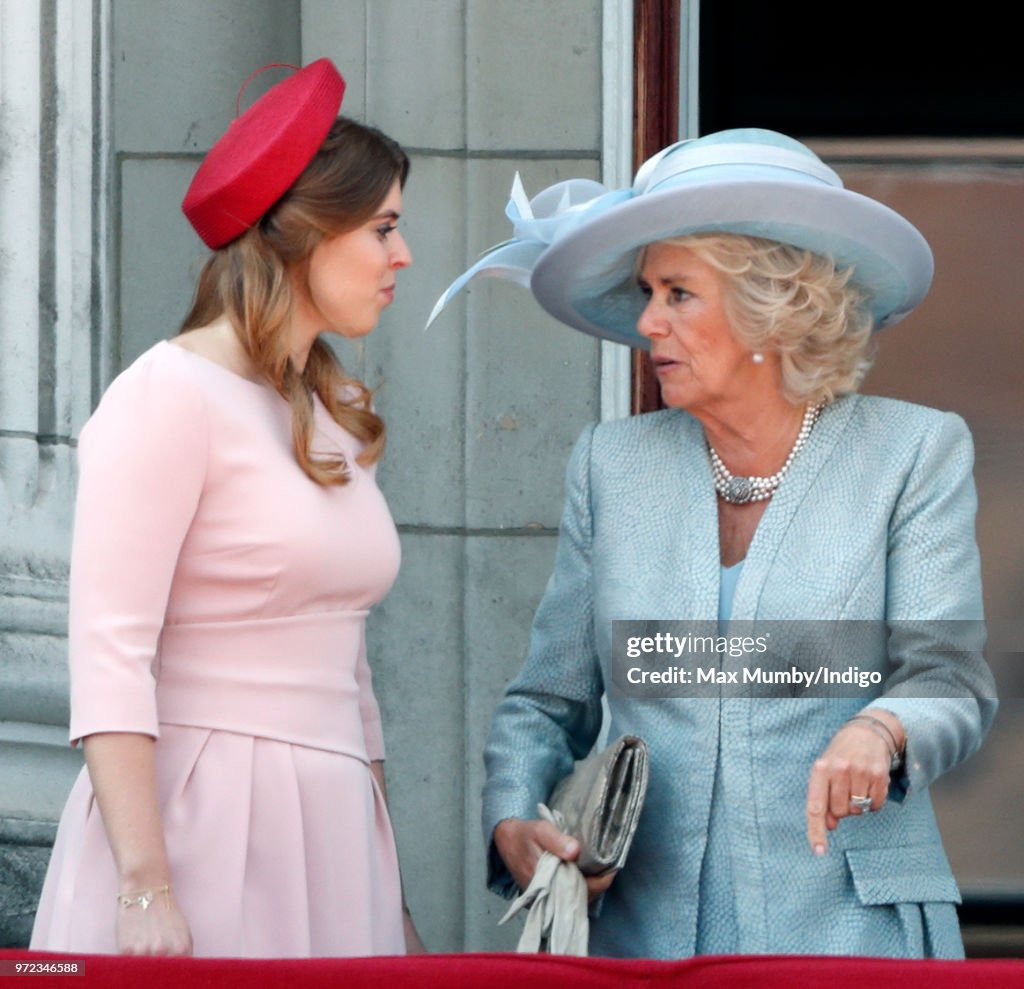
(52, 302)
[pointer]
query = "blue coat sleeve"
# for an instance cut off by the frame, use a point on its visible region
(941, 688)
(551, 713)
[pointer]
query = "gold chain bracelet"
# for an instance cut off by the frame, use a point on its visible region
(142, 898)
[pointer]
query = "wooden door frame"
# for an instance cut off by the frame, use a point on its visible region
(656, 34)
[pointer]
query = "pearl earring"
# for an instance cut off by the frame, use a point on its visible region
(757, 357)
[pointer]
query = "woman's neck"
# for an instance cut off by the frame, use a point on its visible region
(754, 439)
(218, 342)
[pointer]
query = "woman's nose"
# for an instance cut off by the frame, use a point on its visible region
(401, 256)
(651, 322)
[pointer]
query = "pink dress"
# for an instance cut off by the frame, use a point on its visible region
(218, 601)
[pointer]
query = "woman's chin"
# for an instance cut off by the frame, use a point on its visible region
(352, 332)
(675, 397)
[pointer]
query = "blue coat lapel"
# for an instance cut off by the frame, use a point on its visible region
(689, 518)
(784, 505)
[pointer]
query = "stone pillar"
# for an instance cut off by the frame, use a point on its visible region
(51, 300)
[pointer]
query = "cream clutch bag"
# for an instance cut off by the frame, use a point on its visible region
(600, 802)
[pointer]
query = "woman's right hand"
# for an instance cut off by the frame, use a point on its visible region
(520, 844)
(159, 929)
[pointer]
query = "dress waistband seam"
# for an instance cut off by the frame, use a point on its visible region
(256, 622)
(349, 751)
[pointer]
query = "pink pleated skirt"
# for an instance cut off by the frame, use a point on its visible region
(276, 851)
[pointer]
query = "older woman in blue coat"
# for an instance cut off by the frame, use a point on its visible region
(767, 492)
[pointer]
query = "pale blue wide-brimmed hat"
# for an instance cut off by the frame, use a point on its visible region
(575, 244)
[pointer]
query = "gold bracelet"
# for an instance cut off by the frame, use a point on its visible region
(142, 898)
(871, 719)
(878, 726)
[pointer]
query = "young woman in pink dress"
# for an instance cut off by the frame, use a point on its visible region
(229, 541)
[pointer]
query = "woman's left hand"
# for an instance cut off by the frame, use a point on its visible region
(855, 765)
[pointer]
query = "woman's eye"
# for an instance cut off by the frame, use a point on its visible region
(678, 294)
(645, 290)
(386, 229)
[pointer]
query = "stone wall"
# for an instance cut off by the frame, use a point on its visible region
(482, 409)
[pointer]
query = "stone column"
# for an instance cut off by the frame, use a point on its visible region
(52, 274)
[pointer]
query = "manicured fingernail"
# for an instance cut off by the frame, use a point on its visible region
(570, 846)
(819, 850)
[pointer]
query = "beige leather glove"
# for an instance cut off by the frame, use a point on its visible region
(556, 900)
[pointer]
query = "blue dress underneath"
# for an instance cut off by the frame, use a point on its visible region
(717, 929)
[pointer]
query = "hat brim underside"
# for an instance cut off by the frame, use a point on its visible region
(590, 286)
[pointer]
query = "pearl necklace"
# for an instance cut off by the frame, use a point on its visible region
(740, 490)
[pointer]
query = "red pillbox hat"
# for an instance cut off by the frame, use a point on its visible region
(262, 153)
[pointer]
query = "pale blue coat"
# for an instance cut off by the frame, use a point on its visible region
(875, 521)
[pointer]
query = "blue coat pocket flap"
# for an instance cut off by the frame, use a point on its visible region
(902, 874)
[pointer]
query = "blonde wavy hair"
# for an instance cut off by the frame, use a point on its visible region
(796, 303)
(249, 281)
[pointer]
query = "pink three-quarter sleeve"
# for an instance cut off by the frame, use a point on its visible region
(142, 463)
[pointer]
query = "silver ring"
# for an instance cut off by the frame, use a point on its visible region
(862, 804)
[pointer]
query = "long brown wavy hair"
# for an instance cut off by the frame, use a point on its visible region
(249, 281)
